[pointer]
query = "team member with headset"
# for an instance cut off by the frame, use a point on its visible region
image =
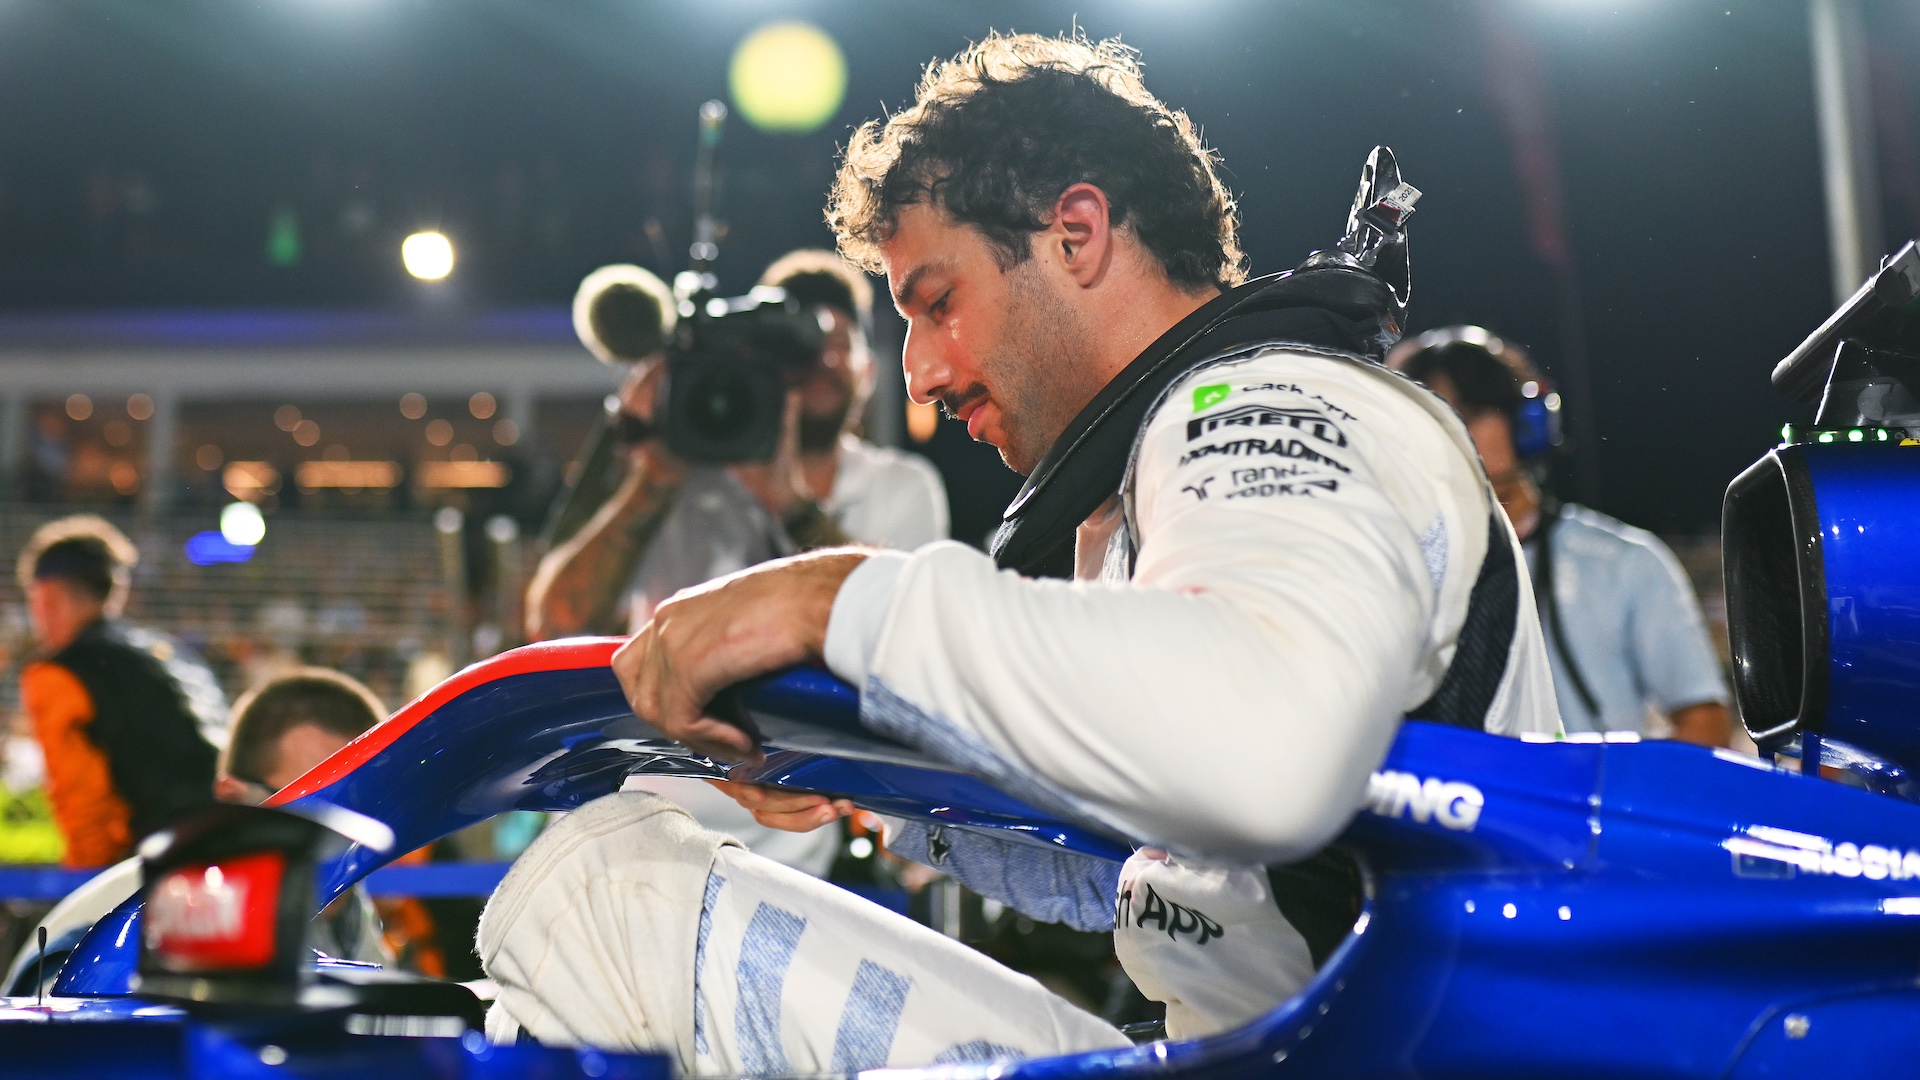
(1624, 630)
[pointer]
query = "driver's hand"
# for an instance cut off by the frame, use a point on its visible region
(791, 811)
(704, 639)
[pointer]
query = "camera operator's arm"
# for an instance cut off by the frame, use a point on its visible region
(578, 586)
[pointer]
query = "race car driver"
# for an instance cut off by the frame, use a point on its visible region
(1283, 549)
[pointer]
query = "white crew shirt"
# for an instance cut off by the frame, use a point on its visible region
(1308, 529)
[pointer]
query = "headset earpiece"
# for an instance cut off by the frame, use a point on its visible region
(1536, 425)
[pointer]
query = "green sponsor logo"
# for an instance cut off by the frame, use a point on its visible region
(1206, 397)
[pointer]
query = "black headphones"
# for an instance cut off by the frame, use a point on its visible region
(1536, 424)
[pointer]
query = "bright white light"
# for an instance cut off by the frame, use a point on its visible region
(427, 255)
(242, 524)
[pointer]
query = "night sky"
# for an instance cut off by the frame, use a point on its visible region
(147, 147)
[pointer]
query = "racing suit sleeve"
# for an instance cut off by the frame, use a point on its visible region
(1232, 698)
(95, 821)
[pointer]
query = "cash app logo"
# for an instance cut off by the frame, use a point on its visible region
(1206, 397)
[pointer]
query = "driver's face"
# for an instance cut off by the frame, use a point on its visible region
(996, 348)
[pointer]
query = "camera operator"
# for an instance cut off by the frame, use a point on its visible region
(671, 525)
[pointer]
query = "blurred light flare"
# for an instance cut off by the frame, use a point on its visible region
(242, 525)
(208, 548)
(788, 76)
(427, 255)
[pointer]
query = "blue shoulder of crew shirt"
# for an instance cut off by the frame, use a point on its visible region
(1629, 616)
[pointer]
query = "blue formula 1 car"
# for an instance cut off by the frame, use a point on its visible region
(1564, 909)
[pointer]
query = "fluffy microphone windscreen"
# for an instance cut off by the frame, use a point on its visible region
(623, 313)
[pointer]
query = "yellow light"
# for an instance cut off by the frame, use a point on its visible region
(378, 475)
(427, 255)
(788, 76)
(463, 474)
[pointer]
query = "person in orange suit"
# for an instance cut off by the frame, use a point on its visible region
(123, 745)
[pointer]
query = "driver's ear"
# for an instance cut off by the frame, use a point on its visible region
(1081, 234)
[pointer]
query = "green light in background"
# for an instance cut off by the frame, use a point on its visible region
(1826, 436)
(788, 77)
(1855, 435)
(283, 237)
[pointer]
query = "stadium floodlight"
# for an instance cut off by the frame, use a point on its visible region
(242, 525)
(788, 76)
(427, 255)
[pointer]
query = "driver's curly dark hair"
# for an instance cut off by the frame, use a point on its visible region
(998, 132)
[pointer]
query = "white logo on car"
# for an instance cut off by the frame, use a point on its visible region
(1453, 804)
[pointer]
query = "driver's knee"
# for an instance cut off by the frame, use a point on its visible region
(591, 934)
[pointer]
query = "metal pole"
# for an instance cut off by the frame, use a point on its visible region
(449, 523)
(13, 443)
(503, 533)
(1844, 108)
(162, 430)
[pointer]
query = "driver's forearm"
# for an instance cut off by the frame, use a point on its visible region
(579, 584)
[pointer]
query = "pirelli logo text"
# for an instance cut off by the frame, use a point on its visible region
(1306, 421)
(1451, 804)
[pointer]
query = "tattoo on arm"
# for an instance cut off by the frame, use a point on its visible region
(579, 586)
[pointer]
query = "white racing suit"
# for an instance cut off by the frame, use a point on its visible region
(1286, 575)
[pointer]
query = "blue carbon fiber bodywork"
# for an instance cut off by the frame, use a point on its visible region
(1868, 504)
(1604, 909)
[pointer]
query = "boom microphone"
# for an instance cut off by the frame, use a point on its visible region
(623, 314)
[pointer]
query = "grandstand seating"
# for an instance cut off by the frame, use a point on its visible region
(367, 596)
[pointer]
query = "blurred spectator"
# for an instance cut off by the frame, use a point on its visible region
(124, 750)
(1624, 630)
(281, 730)
(669, 526)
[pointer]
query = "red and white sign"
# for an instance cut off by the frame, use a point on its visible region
(217, 917)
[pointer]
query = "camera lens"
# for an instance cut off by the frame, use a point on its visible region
(722, 405)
